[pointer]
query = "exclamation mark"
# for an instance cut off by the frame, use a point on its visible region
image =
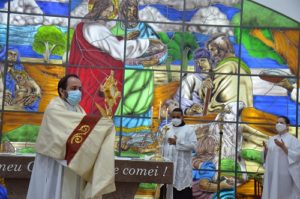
(166, 168)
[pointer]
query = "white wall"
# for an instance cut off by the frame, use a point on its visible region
(289, 8)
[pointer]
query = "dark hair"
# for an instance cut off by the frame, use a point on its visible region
(178, 110)
(99, 7)
(124, 7)
(63, 82)
(201, 53)
(286, 119)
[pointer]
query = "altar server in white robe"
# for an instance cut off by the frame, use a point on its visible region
(179, 142)
(282, 174)
(75, 155)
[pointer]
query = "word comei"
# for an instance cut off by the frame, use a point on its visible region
(127, 171)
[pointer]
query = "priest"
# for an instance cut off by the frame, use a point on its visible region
(75, 154)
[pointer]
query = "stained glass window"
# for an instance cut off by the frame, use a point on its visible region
(231, 65)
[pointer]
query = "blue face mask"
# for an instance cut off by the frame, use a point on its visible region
(74, 97)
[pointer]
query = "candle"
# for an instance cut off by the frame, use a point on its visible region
(151, 114)
(159, 109)
(167, 113)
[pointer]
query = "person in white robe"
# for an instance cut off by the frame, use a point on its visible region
(282, 164)
(179, 142)
(70, 147)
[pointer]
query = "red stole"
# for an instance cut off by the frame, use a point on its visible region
(79, 135)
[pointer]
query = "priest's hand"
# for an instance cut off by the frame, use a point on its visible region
(281, 145)
(172, 141)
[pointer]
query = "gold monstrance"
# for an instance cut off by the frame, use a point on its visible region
(111, 94)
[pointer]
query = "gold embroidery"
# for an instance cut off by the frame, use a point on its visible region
(82, 131)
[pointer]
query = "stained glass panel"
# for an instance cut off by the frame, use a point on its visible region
(231, 65)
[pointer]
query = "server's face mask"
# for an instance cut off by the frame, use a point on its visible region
(176, 121)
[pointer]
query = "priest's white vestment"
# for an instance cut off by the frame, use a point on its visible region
(75, 155)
